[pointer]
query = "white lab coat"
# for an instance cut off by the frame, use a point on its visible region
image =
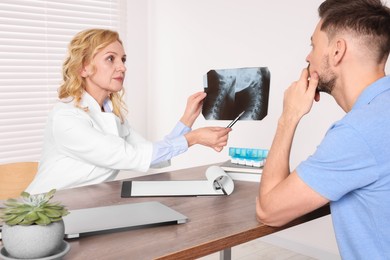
(83, 148)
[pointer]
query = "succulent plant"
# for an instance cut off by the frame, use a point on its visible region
(33, 209)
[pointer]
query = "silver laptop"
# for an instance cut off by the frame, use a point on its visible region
(119, 217)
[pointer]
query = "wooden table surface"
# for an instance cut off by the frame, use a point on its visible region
(214, 222)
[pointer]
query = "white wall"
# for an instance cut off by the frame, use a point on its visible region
(173, 43)
(137, 75)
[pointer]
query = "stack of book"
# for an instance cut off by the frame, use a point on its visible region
(245, 164)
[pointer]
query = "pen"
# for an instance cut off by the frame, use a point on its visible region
(235, 120)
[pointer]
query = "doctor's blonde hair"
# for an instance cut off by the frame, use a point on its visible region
(81, 50)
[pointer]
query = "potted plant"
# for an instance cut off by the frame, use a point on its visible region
(33, 227)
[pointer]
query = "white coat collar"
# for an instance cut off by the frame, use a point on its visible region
(107, 120)
(87, 101)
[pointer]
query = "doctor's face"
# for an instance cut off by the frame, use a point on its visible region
(106, 72)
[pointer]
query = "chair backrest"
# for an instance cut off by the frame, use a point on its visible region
(15, 178)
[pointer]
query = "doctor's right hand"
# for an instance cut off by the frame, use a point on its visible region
(213, 137)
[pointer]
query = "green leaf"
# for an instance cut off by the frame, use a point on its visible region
(25, 195)
(15, 221)
(43, 219)
(7, 218)
(55, 219)
(31, 216)
(12, 203)
(26, 222)
(49, 195)
(18, 210)
(51, 213)
(64, 212)
(54, 207)
(54, 204)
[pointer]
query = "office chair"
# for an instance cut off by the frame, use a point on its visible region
(15, 177)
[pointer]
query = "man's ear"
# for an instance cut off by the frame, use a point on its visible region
(339, 50)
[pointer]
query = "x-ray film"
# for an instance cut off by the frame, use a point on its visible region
(231, 91)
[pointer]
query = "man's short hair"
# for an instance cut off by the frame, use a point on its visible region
(369, 18)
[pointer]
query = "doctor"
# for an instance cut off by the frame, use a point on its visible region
(87, 138)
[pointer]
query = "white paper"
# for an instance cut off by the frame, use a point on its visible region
(215, 177)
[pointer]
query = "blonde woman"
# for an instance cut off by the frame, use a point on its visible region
(87, 137)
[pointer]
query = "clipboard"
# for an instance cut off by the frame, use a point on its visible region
(218, 183)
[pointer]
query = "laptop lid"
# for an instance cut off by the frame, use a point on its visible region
(119, 217)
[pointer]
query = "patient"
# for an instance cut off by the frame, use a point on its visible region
(350, 168)
(87, 137)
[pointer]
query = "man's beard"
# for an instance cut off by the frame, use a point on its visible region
(327, 80)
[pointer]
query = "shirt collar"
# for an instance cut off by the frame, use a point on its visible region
(373, 90)
(107, 105)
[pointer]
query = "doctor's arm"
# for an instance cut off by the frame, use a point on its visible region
(182, 136)
(284, 196)
(214, 137)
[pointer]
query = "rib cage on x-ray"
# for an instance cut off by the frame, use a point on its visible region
(231, 91)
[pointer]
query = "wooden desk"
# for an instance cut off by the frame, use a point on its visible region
(215, 223)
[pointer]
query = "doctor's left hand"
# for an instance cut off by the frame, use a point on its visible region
(214, 137)
(193, 108)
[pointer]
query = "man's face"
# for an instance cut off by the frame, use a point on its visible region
(318, 59)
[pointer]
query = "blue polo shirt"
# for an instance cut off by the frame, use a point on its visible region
(351, 168)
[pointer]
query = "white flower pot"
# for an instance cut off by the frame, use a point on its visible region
(33, 241)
